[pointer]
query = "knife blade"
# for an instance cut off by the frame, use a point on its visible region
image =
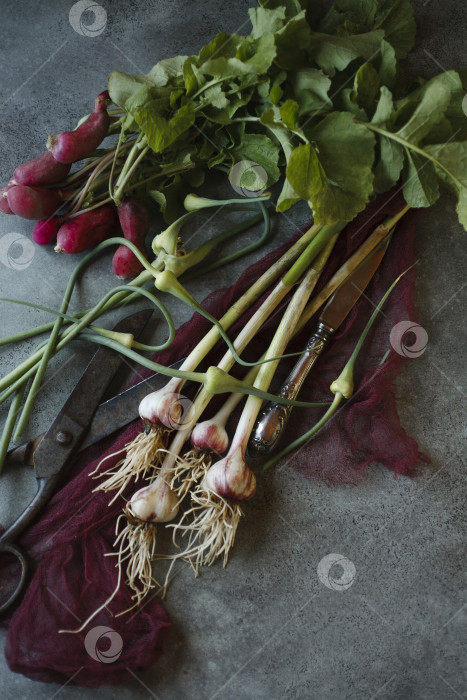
(274, 417)
(109, 416)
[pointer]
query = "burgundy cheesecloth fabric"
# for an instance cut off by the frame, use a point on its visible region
(77, 527)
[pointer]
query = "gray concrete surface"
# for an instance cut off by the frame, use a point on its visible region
(267, 627)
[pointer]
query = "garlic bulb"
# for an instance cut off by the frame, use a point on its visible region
(231, 477)
(156, 503)
(161, 407)
(210, 435)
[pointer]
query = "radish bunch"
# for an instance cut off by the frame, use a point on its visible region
(39, 190)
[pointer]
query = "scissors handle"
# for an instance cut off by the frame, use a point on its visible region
(12, 549)
(45, 489)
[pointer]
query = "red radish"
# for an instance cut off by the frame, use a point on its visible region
(44, 170)
(70, 146)
(134, 220)
(33, 202)
(45, 231)
(87, 230)
(4, 206)
(125, 264)
(135, 225)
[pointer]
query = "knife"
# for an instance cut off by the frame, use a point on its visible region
(274, 417)
(109, 416)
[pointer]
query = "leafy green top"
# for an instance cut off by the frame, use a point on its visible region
(315, 98)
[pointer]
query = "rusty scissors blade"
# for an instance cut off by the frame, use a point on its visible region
(110, 415)
(61, 440)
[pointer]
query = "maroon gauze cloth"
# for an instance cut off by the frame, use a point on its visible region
(77, 527)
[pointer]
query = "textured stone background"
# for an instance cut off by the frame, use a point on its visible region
(267, 627)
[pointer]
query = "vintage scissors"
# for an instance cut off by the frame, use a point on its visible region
(77, 425)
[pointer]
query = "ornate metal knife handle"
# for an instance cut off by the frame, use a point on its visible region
(274, 417)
